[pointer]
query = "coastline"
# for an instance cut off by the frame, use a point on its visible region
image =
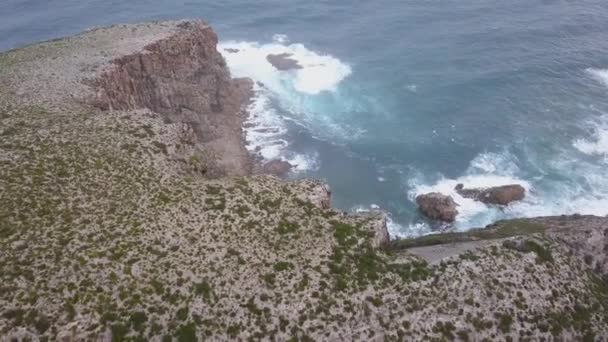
(129, 212)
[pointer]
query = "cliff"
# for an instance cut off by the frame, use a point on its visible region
(127, 212)
(172, 69)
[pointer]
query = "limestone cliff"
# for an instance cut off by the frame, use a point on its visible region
(170, 68)
(115, 224)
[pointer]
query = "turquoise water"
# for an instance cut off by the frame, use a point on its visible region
(402, 97)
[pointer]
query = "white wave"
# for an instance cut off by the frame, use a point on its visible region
(303, 161)
(597, 144)
(493, 163)
(280, 38)
(265, 133)
(397, 230)
(601, 75)
(264, 127)
(295, 91)
(583, 190)
(319, 72)
(469, 210)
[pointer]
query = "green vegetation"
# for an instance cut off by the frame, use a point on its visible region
(108, 222)
(499, 230)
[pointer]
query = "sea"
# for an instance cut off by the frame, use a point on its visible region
(399, 98)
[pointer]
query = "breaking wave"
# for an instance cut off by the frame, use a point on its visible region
(281, 97)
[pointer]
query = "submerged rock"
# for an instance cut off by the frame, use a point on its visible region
(501, 195)
(282, 62)
(437, 206)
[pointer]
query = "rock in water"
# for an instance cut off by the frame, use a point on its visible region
(501, 195)
(277, 167)
(437, 206)
(282, 62)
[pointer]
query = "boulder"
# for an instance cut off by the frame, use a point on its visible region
(437, 206)
(277, 167)
(500, 195)
(282, 62)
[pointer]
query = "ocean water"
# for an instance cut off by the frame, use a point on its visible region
(398, 98)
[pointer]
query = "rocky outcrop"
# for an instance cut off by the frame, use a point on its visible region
(319, 194)
(499, 195)
(282, 62)
(379, 227)
(184, 78)
(437, 206)
(277, 167)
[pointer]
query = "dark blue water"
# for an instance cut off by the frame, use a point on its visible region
(402, 97)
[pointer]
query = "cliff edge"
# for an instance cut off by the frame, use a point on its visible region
(171, 68)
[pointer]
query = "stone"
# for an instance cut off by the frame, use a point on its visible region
(437, 206)
(500, 195)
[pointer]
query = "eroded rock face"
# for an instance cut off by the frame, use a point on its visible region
(319, 195)
(379, 226)
(437, 206)
(500, 195)
(282, 62)
(277, 167)
(184, 78)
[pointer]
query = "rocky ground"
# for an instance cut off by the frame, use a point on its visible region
(128, 212)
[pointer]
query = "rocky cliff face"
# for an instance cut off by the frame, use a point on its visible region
(184, 78)
(170, 68)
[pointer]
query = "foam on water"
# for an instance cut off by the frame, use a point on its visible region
(470, 212)
(597, 144)
(264, 127)
(289, 91)
(265, 133)
(584, 189)
(601, 75)
(318, 73)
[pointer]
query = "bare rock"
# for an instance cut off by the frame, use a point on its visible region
(282, 62)
(501, 195)
(185, 79)
(319, 194)
(380, 229)
(437, 206)
(277, 167)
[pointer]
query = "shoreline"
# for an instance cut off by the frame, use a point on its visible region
(128, 212)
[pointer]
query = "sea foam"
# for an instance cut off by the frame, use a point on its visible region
(287, 91)
(601, 75)
(597, 144)
(318, 73)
